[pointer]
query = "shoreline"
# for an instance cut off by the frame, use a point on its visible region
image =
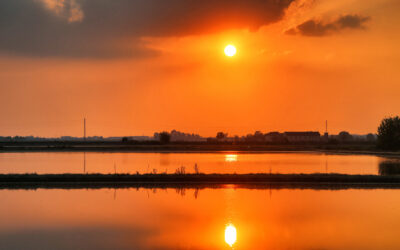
(202, 151)
(196, 186)
(319, 181)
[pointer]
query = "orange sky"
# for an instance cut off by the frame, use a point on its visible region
(182, 80)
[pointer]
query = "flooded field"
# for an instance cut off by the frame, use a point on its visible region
(228, 162)
(229, 217)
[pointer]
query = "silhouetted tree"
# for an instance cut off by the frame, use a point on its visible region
(370, 137)
(389, 167)
(259, 136)
(124, 139)
(221, 135)
(165, 137)
(345, 136)
(389, 133)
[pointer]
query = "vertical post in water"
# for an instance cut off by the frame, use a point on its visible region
(84, 162)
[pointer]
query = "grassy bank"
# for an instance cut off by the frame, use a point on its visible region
(173, 146)
(198, 181)
(189, 148)
(199, 178)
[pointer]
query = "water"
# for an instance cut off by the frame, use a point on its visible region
(228, 162)
(225, 218)
(207, 217)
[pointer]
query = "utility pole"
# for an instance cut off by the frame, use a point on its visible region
(326, 126)
(84, 129)
(326, 135)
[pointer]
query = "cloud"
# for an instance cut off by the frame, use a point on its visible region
(319, 28)
(68, 9)
(104, 28)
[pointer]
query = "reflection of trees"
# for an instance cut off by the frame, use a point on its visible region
(389, 167)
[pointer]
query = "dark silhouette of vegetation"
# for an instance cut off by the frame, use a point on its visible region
(182, 177)
(157, 146)
(389, 133)
(391, 167)
(124, 139)
(371, 137)
(221, 136)
(181, 170)
(165, 137)
(197, 186)
(196, 169)
(345, 136)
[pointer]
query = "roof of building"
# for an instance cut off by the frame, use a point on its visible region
(273, 133)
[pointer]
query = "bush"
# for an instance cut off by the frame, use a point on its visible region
(165, 137)
(389, 133)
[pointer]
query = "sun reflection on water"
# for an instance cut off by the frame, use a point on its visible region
(230, 234)
(231, 158)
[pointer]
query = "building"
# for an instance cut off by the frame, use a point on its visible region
(275, 137)
(309, 136)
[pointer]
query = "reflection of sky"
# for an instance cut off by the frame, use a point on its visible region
(100, 237)
(165, 160)
(142, 219)
(230, 162)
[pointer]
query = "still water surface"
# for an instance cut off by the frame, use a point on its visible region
(225, 218)
(229, 162)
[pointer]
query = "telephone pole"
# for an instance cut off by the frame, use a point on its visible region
(326, 126)
(84, 129)
(326, 135)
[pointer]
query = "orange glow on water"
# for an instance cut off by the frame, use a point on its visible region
(230, 234)
(268, 219)
(231, 158)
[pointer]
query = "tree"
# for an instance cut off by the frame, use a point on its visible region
(165, 137)
(389, 133)
(221, 135)
(345, 136)
(259, 136)
(370, 137)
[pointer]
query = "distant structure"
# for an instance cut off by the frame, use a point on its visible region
(275, 137)
(181, 136)
(326, 135)
(309, 136)
(84, 129)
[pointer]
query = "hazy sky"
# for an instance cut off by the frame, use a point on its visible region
(133, 67)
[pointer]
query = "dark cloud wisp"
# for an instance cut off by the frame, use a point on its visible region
(101, 28)
(319, 28)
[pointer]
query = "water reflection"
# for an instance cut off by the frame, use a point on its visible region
(84, 162)
(230, 234)
(389, 167)
(231, 158)
(295, 219)
(240, 163)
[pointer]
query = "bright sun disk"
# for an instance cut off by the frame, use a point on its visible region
(230, 50)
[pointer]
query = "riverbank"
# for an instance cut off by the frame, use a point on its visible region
(154, 147)
(319, 181)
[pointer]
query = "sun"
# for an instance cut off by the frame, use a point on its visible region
(230, 50)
